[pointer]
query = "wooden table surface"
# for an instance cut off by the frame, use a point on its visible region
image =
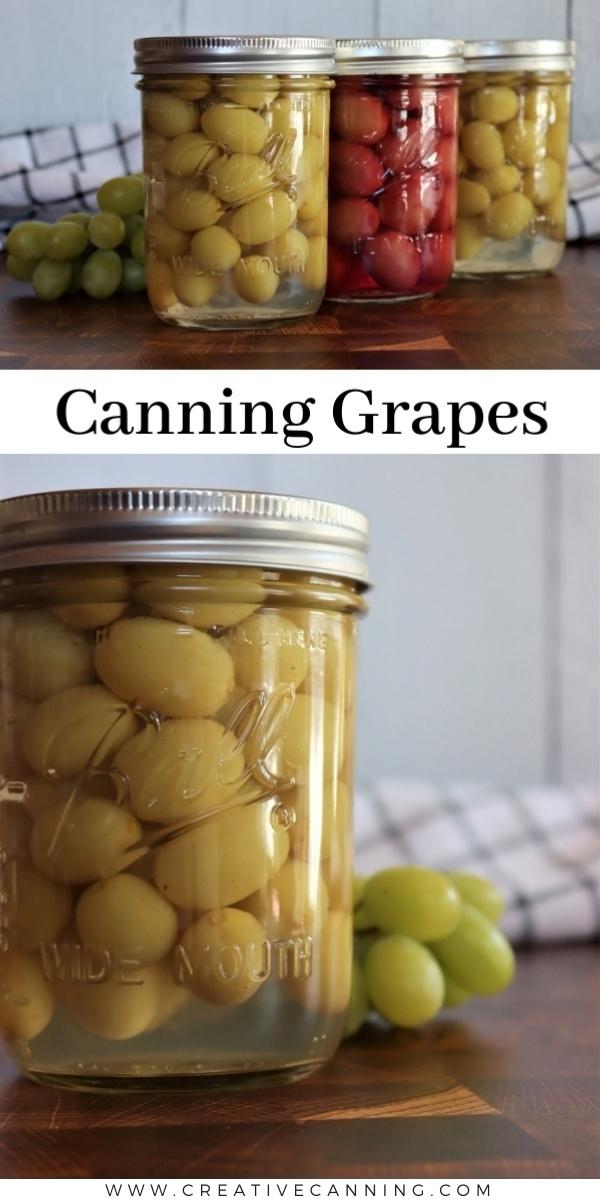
(508, 1088)
(543, 322)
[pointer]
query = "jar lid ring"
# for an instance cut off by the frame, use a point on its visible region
(260, 529)
(234, 54)
(503, 54)
(406, 56)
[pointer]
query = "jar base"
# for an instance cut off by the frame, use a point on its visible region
(481, 276)
(234, 321)
(521, 259)
(371, 299)
(226, 1080)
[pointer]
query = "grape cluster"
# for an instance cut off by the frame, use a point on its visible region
(99, 253)
(424, 941)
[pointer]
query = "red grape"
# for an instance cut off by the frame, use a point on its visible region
(399, 98)
(346, 274)
(351, 220)
(409, 205)
(447, 109)
(437, 257)
(408, 147)
(355, 170)
(447, 156)
(412, 99)
(339, 266)
(359, 280)
(445, 217)
(392, 260)
(359, 117)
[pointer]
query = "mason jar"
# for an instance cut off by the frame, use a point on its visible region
(177, 687)
(514, 140)
(235, 133)
(393, 154)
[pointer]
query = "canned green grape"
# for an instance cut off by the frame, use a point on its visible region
(235, 155)
(176, 770)
(514, 140)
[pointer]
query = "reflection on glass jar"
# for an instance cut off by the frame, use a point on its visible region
(514, 141)
(393, 156)
(176, 770)
(236, 177)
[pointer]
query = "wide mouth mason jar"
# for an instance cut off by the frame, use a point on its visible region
(393, 156)
(177, 689)
(235, 133)
(514, 141)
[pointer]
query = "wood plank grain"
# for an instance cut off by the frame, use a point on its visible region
(330, 1148)
(507, 1089)
(541, 322)
(456, 1101)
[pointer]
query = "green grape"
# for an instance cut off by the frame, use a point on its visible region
(101, 274)
(28, 240)
(404, 981)
(476, 954)
(361, 918)
(480, 893)
(18, 268)
(132, 224)
(415, 901)
(51, 279)
(66, 240)
(106, 230)
(123, 195)
(362, 945)
(454, 993)
(138, 247)
(76, 269)
(133, 278)
(358, 889)
(358, 1009)
(80, 218)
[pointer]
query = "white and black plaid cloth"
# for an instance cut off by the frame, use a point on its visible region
(47, 171)
(44, 172)
(583, 219)
(539, 845)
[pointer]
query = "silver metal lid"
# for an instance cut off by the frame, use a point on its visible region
(184, 525)
(404, 56)
(234, 55)
(534, 54)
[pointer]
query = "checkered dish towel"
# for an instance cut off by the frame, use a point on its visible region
(46, 171)
(539, 845)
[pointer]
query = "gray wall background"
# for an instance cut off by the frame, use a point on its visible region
(70, 60)
(480, 657)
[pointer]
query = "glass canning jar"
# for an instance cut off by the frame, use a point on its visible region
(235, 133)
(514, 140)
(393, 155)
(177, 683)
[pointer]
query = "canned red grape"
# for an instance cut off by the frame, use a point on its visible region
(393, 174)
